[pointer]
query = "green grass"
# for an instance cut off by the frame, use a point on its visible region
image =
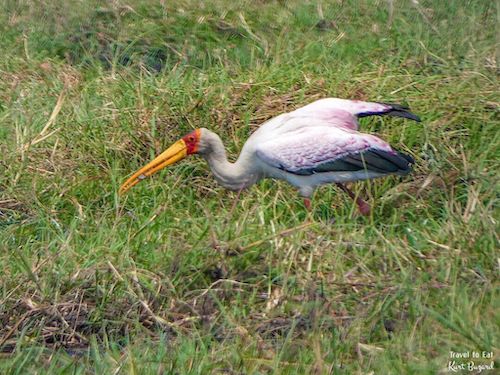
(182, 276)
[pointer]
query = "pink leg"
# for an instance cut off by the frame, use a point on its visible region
(363, 207)
(307, 203)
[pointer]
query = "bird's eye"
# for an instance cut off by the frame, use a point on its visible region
(191, 138)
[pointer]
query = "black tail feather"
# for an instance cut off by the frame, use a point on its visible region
(399, 110)
(404, 114)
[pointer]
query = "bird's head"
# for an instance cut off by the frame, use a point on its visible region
(192, 143)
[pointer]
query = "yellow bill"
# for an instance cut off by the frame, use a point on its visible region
(173, 154)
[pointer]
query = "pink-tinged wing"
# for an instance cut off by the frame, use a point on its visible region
(353, 107)
(330, 112)
(325, 117)
(344, 113)
(326, 149)
(339, 112)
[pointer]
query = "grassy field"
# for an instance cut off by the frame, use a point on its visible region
(181, 276)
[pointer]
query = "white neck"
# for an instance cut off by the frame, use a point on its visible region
(233, 176)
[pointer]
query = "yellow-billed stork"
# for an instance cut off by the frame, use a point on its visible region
(313, 145)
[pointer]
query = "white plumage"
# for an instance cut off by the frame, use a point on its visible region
(313, 145)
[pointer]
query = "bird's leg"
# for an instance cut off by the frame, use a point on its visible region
(363, 207)
(309, 212)
(234, 203)
(307, 203)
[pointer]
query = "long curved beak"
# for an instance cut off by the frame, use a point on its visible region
(171, 155)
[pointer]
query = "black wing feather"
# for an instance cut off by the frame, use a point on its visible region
(396, 110)
(375, 162)
(371, 160)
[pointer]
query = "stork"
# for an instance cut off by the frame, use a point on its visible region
(313, 145)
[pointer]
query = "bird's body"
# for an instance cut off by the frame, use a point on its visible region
(311, 146)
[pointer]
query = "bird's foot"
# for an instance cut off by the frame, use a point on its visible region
(363, 207)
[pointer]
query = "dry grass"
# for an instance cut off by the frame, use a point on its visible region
(182, 276)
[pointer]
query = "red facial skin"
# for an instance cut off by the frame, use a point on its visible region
(191, 140)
